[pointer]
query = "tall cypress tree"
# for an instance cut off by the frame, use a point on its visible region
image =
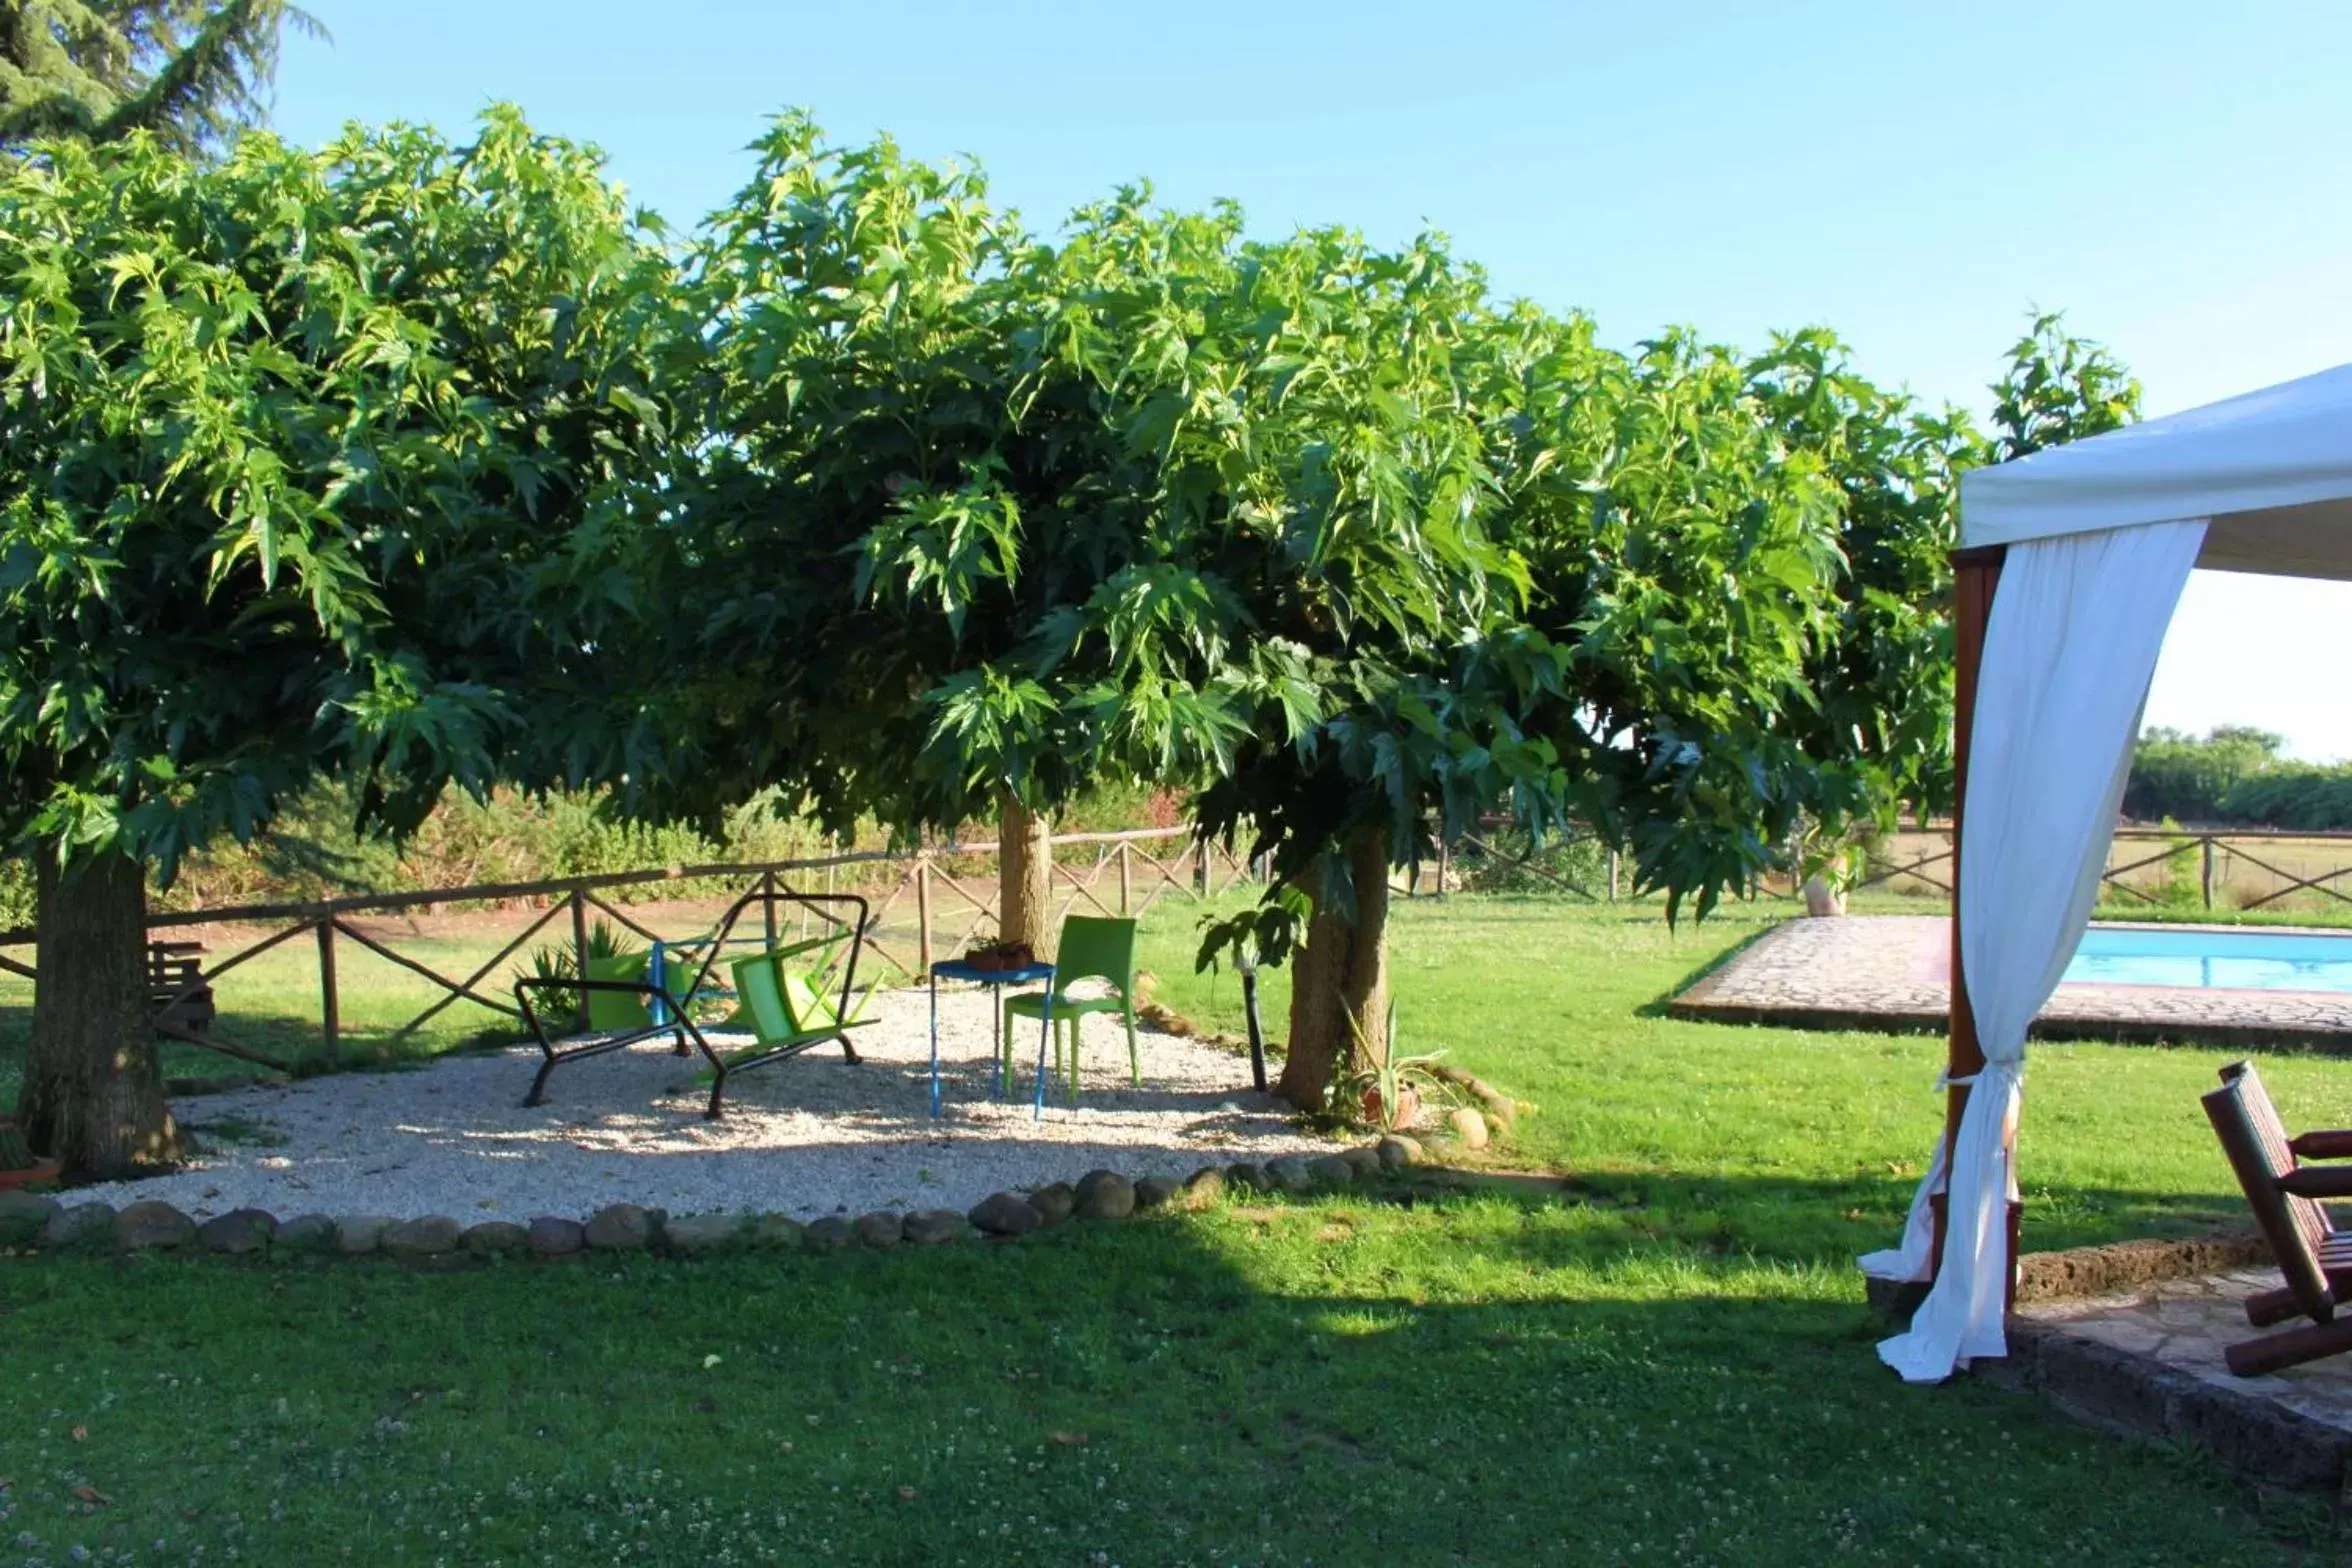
(190, 72)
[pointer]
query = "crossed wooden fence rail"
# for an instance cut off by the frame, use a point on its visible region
(1141, 866)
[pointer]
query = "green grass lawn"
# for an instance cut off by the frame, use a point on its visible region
(1682, 1373)
(1799, 1144)
(1336, 1383)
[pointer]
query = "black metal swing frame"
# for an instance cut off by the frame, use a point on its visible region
(662, 999)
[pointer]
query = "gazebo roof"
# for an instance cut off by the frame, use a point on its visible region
(2272, 469)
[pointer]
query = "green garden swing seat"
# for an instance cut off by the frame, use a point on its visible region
(619, 1006)
(610, 1012)
(786, 1012)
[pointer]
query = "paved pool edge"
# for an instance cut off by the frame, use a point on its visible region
(1883, 974)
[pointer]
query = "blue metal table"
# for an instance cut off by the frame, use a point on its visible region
(996, 980)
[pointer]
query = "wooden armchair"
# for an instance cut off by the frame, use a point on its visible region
(176, 988)
(2284, 1195)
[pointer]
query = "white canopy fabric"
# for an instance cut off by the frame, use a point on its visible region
(2076, 626)
(2104, 534)
(2271, 469)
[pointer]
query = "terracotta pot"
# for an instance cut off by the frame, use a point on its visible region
(1408, 1107)
(46, 1170)
(1823, 900)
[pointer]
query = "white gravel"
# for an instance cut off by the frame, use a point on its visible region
(811, 1136)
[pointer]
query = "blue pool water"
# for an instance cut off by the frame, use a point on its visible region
(2247, 959)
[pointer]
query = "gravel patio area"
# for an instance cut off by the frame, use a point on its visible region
(811, 1136)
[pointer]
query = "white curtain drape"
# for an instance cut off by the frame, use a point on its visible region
(2075, 628)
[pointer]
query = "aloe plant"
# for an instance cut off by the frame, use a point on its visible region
(1381, 1084)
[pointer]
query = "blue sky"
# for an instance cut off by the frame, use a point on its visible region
(1916, 176)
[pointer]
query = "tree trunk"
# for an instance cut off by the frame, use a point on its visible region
(1339, 982)
(93, 1087)
(1024, 870)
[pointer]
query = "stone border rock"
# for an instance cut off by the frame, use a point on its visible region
(33, 1222)
(2124, 1265)
(2094, 1271)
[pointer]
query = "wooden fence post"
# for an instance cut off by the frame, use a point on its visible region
(330, 1010)
(1126, 882)
(768, 906)
(580, 940)
(2207, 880)
(923, 908)
(1612, 876)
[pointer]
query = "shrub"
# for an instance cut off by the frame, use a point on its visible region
(16, 892)
(2176, 776)
(1580, 862)
(2299, 797)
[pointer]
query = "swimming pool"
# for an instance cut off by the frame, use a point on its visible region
(2246, 958)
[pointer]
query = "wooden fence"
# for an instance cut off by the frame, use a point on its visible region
(949, 891)
(931, 903)
(2217, 869)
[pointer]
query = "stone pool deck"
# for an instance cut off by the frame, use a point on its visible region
(2129, 1338)
(1894, 972)
(2148, 1364)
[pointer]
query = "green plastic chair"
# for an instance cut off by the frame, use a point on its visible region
(612, 1012)
(1090, 948)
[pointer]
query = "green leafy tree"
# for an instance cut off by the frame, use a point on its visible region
(1052, 516)
(1409, 557)
(2058, 388)
(306, 467)
(1316, 530)
(1880, 684)
(889, 503)
(1291, 417)
(2191, 780)
(1683, 560)
(191, 73)
(1305, 524)
(1878, 710)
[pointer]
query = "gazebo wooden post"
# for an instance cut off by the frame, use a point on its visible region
(1975, 574)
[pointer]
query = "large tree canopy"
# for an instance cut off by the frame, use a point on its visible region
(303, 465)
(1320, 530)
(411, 463)
(849, 535)
(877, 504)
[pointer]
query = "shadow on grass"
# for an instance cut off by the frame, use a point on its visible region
(291, 1038)
(1826, 1223)
(1321, 1382)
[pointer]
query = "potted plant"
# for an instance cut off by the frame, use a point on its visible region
(1387, 1094)
(17, 1164)
(995, 956)
(1827, 866)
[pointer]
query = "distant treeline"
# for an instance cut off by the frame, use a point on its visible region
(2234, 777)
